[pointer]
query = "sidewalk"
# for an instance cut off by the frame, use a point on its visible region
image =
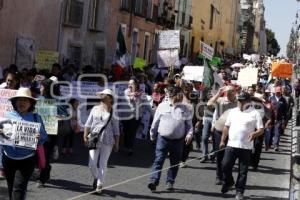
(71, 177)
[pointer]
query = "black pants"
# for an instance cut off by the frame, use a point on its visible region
(67, 140)
(230, 156)
(255, 157)
(130, 128)
(18, 173)
(186, 151)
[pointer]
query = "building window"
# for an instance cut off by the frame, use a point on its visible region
(73, 13)
(146, 45)
(134, 43)
(139, 7)
(100, 57)
(75, 55)
(96, 20)
(212, 11)
(155, 13)
(123, 28)
(125, 4)
(1, 4)
(149, 9)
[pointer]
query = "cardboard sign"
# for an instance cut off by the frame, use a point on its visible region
(5, 104)
(169, 39)
(282, 70)
(206, 50)
(47, 109)
(193, 73)
(167, 58)
(139, 63)
(45, 59)
(247, 77)
(19, 133)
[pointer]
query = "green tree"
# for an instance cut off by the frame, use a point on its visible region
(272, 44)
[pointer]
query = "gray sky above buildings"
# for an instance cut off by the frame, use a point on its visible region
(280, 15)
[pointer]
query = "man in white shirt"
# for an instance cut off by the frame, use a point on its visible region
(242, 126)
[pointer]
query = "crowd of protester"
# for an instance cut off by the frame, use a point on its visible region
(177, 120)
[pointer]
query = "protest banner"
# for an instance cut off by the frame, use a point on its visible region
(193, 73)
(206, 50)
(5, 104)
(282, 70)
(247, 77)
(45, 59)
(47, 109)
(167, 58)
(19, 133)
(169, 39)
(139, 63)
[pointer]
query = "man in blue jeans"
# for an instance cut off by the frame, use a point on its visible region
(242, 126)
(171, 127)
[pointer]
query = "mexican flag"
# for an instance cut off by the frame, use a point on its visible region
(121, 49)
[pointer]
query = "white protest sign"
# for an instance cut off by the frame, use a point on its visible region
(169, 39)
(247, 57)
(5, 104)
(167, 58)
(247, 77)
(193, 73)
(206, 50)
(19, 133)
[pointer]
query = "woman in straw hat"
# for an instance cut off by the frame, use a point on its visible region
(103, 125)
(18, 162)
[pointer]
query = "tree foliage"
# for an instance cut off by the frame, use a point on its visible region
(272, 44)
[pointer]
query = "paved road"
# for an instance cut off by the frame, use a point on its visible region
(71, 177)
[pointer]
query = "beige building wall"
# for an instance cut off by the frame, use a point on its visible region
(35, 23)
(220, 32)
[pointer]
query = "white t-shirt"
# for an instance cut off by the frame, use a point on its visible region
(241, 125)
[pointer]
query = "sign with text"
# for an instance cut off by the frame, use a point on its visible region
(169, 39)
(45, 59)
(247, 77)
(5, 104)
(19, 133)
(282, 70)
(47, 109)
(167, 58)
(206, 50)
(193, 73)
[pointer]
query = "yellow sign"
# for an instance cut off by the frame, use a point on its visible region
(139, 63)
(45, 59)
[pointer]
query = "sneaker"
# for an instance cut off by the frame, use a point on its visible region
(239, 196)
(169, 186)
(276, 149)
(227, 187)
(99, 189)
(219, 181)
(152, 186)
(2, 174)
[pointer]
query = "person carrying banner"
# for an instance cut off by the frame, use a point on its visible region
(19, 163)
(102, 128)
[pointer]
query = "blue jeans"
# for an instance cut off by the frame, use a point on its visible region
(268, 136)
(205, 136)
(163, 147)
(277, 132)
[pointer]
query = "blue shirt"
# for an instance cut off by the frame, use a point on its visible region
(18, 153)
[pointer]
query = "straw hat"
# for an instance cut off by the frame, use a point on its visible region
(23, 93)
(105, 92)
